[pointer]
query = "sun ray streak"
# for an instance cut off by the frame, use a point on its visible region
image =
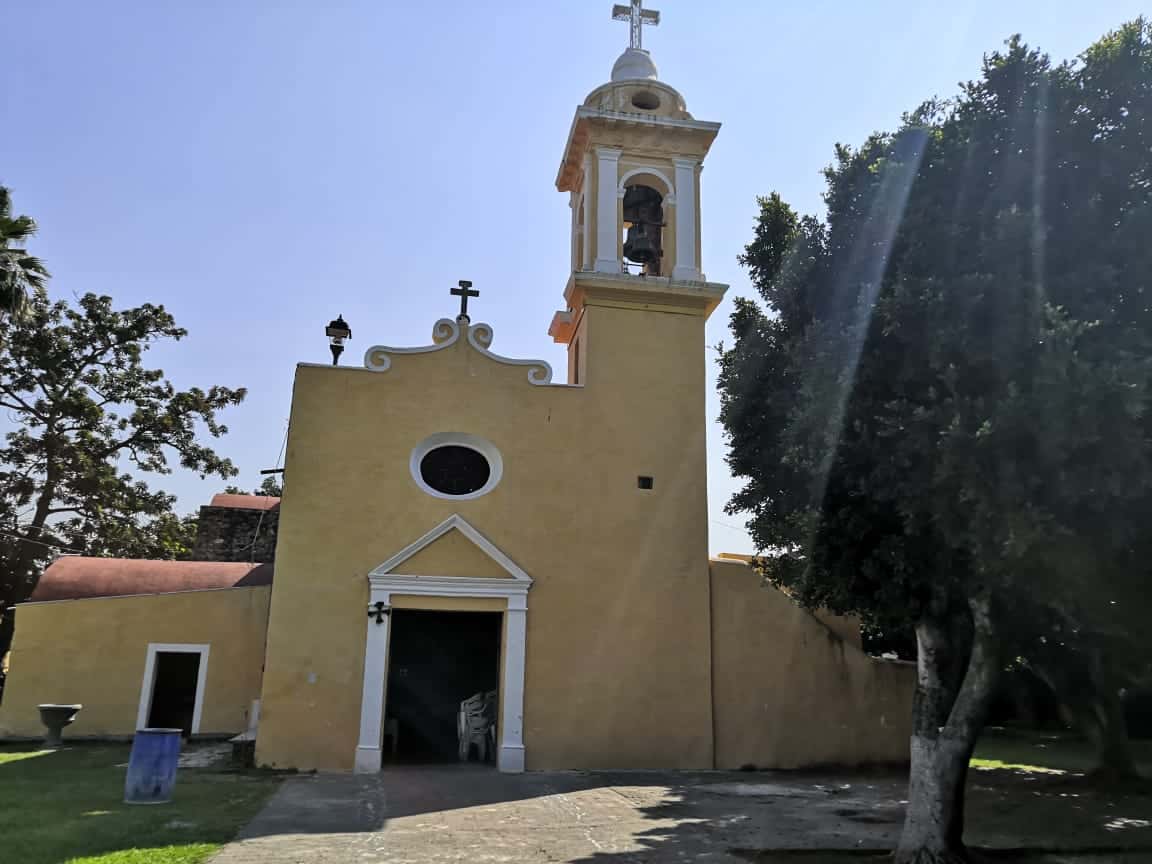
(858, 285)
(1039, 191)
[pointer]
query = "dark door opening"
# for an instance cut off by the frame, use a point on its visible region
(436, 660)
(174, 690)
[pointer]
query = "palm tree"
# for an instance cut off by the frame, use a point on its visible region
(20, 272)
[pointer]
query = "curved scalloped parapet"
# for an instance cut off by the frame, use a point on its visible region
(446, 332)
(480, 337)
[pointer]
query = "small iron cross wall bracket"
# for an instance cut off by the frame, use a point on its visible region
(378, 610)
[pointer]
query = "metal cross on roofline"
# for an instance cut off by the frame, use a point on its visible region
(464, 292)
(636, 16)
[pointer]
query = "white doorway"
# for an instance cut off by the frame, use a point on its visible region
(389, 579)
(172, 688)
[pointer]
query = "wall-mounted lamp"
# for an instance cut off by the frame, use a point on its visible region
(337, 331)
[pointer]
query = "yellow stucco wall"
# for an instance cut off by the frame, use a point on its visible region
(847, 627)
(617, 624)
(93, 652)
(790, 692)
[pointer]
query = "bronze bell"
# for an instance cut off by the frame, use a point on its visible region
(640, 246)
(644, 212)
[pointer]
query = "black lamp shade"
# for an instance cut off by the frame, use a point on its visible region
(338, 329)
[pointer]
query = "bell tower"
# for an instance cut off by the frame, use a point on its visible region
(631, 168)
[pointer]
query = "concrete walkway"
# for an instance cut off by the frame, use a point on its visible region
(473, 814)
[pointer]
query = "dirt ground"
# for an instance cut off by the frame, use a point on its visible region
(467, 813)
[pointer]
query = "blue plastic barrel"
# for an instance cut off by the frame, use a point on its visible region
(152, 766)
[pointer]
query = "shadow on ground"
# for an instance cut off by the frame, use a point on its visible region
(58, 806)
(454, 813)
(1014, 816)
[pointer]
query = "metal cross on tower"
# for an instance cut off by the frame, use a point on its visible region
(464, 292)
(636, 16)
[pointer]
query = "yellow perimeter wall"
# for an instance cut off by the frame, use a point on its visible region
(791, 691)
(93, 652)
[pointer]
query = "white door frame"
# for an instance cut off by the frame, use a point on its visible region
(148, 684)
(383, 582)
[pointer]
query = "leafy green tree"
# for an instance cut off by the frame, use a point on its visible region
(88, 415)
(167, 536)
(271, 486)
(20, 273)
(268, 486)
(942, 412)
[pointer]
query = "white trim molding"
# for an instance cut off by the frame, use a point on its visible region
(669, 186)
(148, 683)
(457, 439)
(384, 581)
(445, 333)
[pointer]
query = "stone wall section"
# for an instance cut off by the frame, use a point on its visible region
(236, 534)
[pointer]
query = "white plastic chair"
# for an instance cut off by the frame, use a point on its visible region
(475, 723)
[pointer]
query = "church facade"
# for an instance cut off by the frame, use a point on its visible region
(561, 523)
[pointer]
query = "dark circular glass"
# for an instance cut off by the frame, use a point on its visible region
(455, 470)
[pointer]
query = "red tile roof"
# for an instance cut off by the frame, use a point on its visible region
(245, 502)
(73, 577)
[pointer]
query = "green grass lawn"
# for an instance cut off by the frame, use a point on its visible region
(1038, 753)
(66, 807)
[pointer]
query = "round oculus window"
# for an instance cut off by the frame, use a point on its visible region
(456, 465)
(646, 100)
(455, 470)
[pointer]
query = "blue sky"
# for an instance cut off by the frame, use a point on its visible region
(261, 166)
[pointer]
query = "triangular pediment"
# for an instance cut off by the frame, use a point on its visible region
(455, 549)
(453, 554)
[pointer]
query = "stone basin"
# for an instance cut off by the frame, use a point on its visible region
(56, 717)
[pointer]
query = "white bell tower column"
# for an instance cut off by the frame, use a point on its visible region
(607, 228)
(687, 267)
(587, 198)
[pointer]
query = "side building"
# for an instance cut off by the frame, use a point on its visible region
(150, 643)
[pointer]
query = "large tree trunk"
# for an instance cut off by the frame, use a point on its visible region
(946, 723)
(18, 576)
(1107, 727)
(1089, 694)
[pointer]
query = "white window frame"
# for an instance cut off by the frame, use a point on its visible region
(148, 685)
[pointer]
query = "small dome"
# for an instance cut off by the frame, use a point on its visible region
(634, 64)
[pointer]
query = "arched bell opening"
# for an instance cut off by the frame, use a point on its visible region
(643, 217)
